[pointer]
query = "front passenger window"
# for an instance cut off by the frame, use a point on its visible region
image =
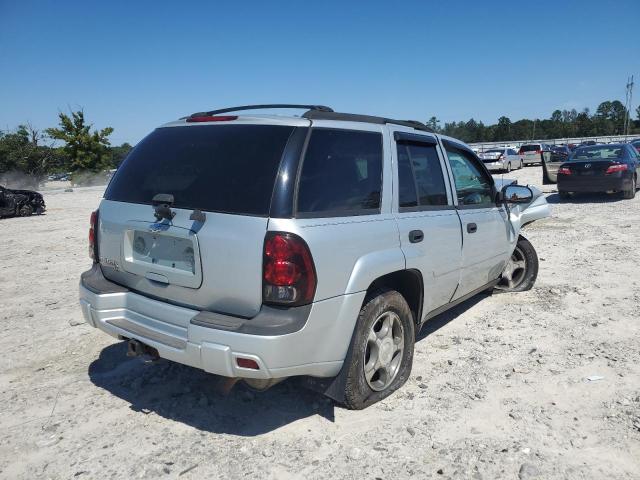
(473, 188)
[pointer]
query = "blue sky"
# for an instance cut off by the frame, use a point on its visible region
(134, 65)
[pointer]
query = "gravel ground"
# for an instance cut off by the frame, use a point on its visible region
(542, 384)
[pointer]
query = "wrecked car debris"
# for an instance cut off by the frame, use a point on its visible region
(20, 203)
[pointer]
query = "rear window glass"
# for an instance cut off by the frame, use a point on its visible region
(529, 148)
(222, 168)
(341, 173)
(494, 151)
(597, 153)
(419, 167)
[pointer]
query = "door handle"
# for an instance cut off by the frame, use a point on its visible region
(472, 228)
(416, 236)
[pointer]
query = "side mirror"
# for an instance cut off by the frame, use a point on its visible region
(517, 194)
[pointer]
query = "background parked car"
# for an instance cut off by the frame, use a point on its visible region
(600, 168)
(559, 154)
(532, 153)
(501, 159)
(636, 144)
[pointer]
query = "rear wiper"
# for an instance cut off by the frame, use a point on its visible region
(162, 203)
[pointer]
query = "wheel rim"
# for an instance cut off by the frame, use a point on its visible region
(515, 270)
(384, 350)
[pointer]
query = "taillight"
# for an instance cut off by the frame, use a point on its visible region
(616, 167)
(564, 171)
(288, 273)
(538, 152)
(209, 118)
(93, 236)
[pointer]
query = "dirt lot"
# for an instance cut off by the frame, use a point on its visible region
(500, 385)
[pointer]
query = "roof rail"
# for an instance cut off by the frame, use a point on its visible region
(353, 117)
(318, 108)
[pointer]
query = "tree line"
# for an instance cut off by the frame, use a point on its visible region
(29, 151)
(608, 119)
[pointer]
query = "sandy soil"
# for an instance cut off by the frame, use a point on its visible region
(500, 385)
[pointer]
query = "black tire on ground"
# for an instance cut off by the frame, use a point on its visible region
(25, 211)
(522, 269)
(508, 167)
(631, 193)
(377, 308)
(564, 194)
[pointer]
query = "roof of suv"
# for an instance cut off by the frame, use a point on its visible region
(313, 112)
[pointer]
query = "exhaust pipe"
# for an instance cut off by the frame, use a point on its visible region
(139, 349)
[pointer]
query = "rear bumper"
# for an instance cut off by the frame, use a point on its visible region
(495, 166)
(585, 184)
(283, 342)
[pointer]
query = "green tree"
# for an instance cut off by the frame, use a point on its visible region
(434, 124)
(20, 151)
(118, 154)
(86, 150)
(503, 129)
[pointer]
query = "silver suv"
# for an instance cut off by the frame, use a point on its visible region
(265, 247)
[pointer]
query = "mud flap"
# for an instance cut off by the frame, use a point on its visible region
(333, 387)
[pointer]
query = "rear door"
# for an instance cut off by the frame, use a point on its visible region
(556, 158)
(485, 228)
(225, 171)
(425, 212)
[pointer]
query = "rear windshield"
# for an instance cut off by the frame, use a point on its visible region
(221, 168)
(529, 148)
(494, 151)
(597, 153)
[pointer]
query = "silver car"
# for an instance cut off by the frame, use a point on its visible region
(501, 160)
(265, 247)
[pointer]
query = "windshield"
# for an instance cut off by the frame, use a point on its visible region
(604, 152)
(222, 168)
(493, 151)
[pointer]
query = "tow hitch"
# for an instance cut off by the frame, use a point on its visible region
(138, 349)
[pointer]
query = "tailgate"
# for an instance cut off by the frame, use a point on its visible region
(225, 172)
(213, 266)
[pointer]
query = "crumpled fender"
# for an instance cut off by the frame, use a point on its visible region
(525, 213)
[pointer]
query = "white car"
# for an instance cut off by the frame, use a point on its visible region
(501, 159)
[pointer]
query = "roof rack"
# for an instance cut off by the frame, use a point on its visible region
(319, 112)
(353, 117)
(318, 108)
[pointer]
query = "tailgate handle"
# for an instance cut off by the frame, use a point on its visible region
(416, 236)
(156, 277)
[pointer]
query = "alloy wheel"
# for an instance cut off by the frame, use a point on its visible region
(384, 350)
(515, 270)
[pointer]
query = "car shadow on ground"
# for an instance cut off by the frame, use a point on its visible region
(194, 397)
(578, 198)
(436, 323)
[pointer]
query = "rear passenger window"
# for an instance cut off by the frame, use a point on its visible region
(420, 179)
(341, 173)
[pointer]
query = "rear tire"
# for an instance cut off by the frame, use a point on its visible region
(631, 193)
(380, 356)
(25, 211)
(521, 270)
(509, 167)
